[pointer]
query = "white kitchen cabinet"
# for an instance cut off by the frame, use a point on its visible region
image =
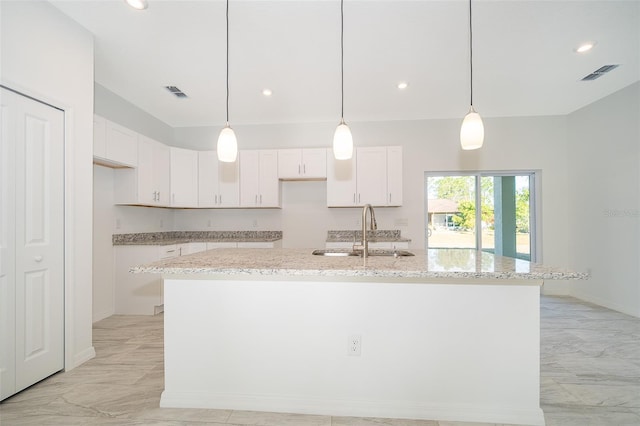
(400, 245)
(246, 244)
(260, 244)
(149, 183)
(114, 145)
(394, 175)
(259, 184)
(341, 181)
(372, 176)
(299, 164)
(184, 177)
(218, 182)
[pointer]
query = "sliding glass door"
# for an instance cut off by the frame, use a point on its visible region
(503, 224)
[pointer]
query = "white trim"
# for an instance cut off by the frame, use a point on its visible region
(353, 408)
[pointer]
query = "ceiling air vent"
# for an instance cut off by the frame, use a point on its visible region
(177, 92)
(600, 72)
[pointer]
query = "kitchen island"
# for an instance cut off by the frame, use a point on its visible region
(443, 335)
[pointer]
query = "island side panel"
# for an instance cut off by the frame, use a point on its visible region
(428, 351)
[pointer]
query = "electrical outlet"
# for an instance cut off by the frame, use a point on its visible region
(354, 345)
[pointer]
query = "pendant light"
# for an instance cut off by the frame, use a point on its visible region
(227, 142)
(342, 139)
(472, 130)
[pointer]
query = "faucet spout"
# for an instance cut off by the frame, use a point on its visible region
(373, 225)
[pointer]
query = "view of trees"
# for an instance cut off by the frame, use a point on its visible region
(461, 189)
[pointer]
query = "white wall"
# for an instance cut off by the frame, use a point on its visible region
(115, 108)
(604, 200)
(48, 56)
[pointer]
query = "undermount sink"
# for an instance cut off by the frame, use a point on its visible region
(372, 252)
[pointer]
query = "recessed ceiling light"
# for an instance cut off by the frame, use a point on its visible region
(267, 92)
(585, 47)
(403, 85)
(138, 4)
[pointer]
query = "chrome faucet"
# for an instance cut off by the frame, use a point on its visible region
(373, 225)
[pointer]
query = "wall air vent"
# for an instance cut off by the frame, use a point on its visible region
(177, 92)
(600, 72)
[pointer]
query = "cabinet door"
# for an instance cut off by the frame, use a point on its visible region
(289, 163)
(147, 192)
(228, 184)
(314, 163)
(121, 144)
(394, 175)
(249, 163)
(208, 179)
(99, 137)
(371, 167)
(341, 181)
(268, 183)
(161, 173)
(184, 177)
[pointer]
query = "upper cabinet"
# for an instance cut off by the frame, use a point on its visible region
(259, 184)
(300, 164)
(114, 145)
(149, 183)
(218, 182)
(372, 176)
(184, 177)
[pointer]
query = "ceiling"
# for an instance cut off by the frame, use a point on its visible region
(524, 62)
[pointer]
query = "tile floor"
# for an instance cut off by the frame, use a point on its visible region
(590, 375)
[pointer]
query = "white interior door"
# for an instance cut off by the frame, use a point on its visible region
(35, 134)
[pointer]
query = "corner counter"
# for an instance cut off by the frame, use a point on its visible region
(444, 335)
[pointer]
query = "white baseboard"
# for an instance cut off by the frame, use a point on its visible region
(587, 297)
(381, 409)
(82, 357)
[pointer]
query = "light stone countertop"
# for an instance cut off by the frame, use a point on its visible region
(434, 264)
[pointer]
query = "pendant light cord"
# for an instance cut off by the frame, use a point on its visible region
(227, 15)
(471, 53)
(342, 59)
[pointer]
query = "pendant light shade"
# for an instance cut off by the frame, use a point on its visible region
(342, 142)
(227, 147)
(472, 130)
(342, 139)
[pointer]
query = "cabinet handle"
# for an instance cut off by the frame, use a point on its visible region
(173, 198)
(216, 199)
(389, 198)
(256, 198)
(358, 198)
(38, 259)
(158, 195)
(298, 168)
(220, 198)
(354, 198)
(260, 198)
(304, 169)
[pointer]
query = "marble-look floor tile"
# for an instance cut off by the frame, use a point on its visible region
(360, 421)
(256, 418)
(589, 416)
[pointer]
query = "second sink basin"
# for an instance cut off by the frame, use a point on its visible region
(372, 252)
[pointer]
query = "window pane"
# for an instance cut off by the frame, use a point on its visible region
(488, 218)
(523, 214)
(451, 212)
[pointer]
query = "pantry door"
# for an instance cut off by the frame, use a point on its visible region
(33, 238)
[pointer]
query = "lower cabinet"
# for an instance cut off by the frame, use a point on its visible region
(400, 245)
(141, 294)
